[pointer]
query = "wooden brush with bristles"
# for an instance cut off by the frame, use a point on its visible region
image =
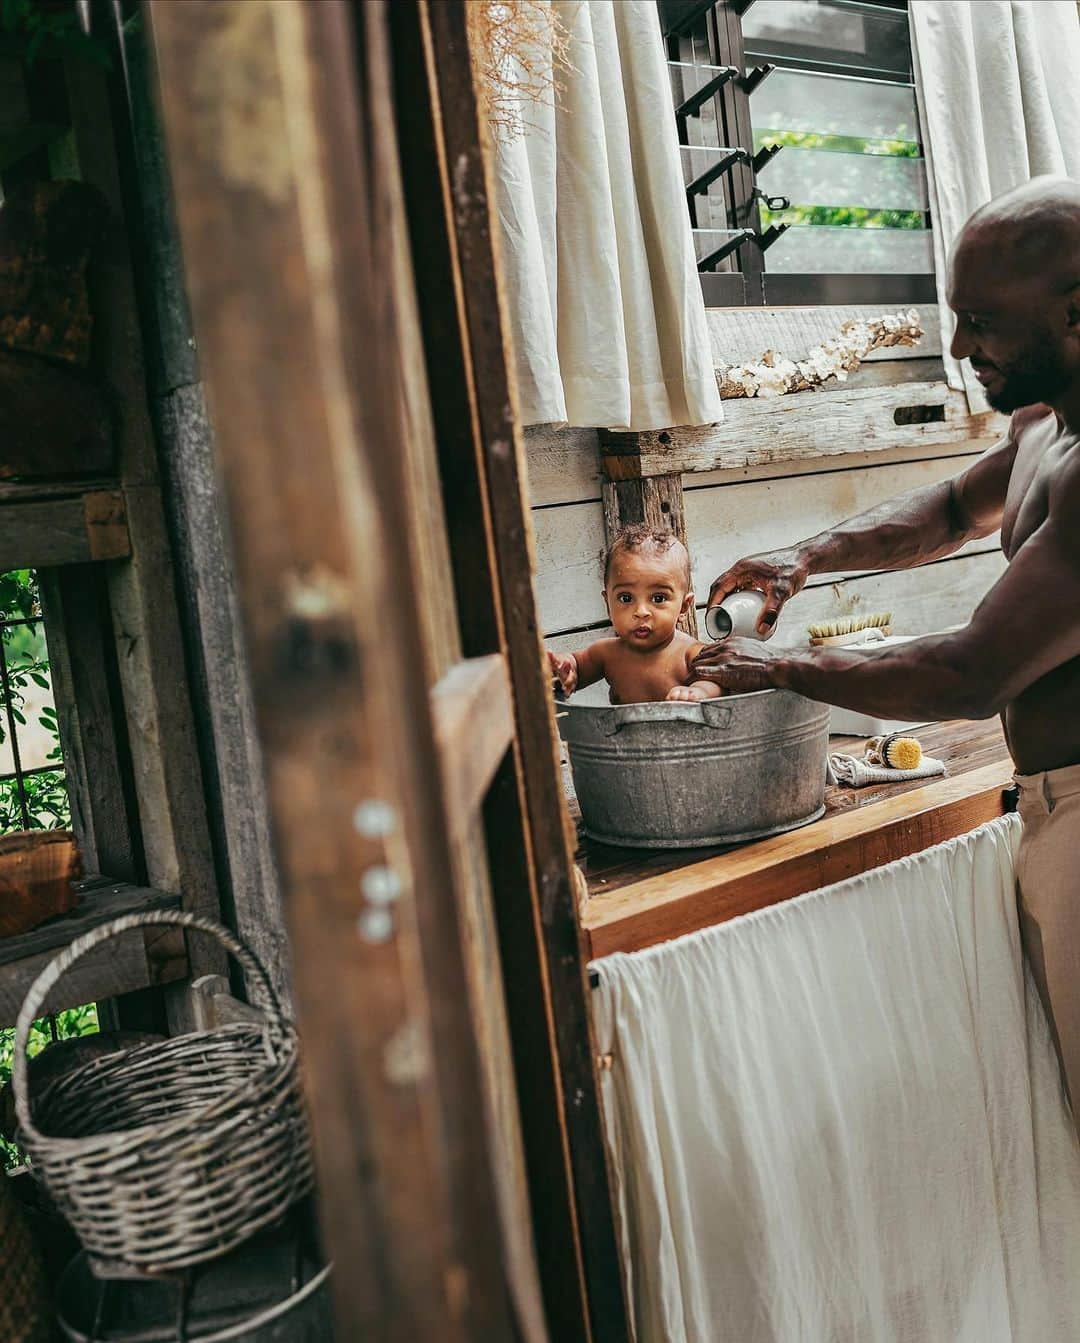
(851, 631)
(895, 751)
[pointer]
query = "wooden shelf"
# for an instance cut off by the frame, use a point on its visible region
(135, 960)
(639, 899)
(49, 523)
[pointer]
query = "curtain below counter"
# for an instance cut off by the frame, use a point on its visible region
(842, 1118)
(998, 86)
(606, 310)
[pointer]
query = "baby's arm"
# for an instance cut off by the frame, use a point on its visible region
(577, 670)
(693, 689)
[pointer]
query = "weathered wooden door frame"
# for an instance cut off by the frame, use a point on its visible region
(277, 136)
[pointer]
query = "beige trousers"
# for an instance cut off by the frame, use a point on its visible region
(1048, 882)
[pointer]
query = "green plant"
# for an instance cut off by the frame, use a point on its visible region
(69, 1025)
(49, 28)
(27, 658)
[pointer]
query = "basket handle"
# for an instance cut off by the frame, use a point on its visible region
(47, 980)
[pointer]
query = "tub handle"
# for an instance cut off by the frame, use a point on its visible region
(705, 713)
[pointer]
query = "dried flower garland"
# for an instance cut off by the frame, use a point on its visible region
(519, 50)
(774, 375)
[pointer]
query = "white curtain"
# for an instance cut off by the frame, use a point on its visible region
(606, 309)
(842, 1118)
(998, 85)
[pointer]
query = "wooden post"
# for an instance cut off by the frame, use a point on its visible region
(287, 232)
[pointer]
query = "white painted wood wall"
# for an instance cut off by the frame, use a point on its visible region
(737, 511)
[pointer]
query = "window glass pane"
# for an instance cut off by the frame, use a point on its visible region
(822, 250)
(834, 105)
(845, 35)
(823, 177)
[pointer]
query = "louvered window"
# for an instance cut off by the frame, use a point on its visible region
(802, 163)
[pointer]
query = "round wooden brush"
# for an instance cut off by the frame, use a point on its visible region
(894, 751)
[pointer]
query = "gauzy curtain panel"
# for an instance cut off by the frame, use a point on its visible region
(998, 86)
(605, 303)
(842, 1118)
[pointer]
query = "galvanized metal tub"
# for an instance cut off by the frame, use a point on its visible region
(686, 775)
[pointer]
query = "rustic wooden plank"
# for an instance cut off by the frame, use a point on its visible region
(723, 522)
(342, 701)
(72, 530)
(473, 707)
(804, 425)
(740, 335)
(772, 870)
(150, 661)
(85, 688)
(526, 827)
(54, 420)
(122, 965)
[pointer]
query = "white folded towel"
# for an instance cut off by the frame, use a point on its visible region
(856, 773)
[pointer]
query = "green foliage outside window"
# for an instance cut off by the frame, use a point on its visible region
(849, 216)
(69, 1025)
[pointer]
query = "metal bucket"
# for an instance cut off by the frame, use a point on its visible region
(677, 774)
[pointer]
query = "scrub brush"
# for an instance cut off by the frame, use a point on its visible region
(851, 631)
(895, 751)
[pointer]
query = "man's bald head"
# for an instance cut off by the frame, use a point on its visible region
(1014, 284)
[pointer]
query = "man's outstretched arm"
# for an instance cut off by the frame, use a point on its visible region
(923, 525)
(1027, 625)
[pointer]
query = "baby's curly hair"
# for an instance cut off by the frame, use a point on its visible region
(642, 536)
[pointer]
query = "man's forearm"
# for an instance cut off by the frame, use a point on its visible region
(917, 527)
(928, 679)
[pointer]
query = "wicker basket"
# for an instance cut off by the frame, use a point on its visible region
(171, 1153)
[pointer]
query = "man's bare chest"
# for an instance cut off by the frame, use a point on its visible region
(1038, 458)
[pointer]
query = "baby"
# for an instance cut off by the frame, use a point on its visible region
(647, 589)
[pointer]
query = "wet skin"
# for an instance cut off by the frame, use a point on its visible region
(1015, 287)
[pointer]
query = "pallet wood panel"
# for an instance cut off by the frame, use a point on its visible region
(772, 870)
(473, 707)
(723, 523)
(54, 420)
(805, 425)
(931, 598)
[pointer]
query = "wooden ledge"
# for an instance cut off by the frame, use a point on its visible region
(771, 870)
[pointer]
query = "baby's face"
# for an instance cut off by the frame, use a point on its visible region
(645, 595)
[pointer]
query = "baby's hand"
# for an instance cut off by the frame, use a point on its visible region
(691, 692)
(565, 670)
(698, 690)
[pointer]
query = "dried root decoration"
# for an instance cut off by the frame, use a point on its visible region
(775, 375)
(519, 51)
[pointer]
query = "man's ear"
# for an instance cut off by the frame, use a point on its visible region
(688, 603)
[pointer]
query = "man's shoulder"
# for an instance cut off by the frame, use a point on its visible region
(1025, 419)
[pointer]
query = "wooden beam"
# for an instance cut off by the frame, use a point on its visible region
(757, 431)
(75, 530)
(473, 708)
(529, 849)
(271, 119)
(771, 870)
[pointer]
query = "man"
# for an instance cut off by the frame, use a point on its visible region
(1014, 284)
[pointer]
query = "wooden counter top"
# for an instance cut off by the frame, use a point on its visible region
(638, 898)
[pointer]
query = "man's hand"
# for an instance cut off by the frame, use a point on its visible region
(738, 665)
(565, 670)
(779, 575)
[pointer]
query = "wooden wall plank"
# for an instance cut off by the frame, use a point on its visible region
(811, 425)
(64, 531)
(723, 523)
